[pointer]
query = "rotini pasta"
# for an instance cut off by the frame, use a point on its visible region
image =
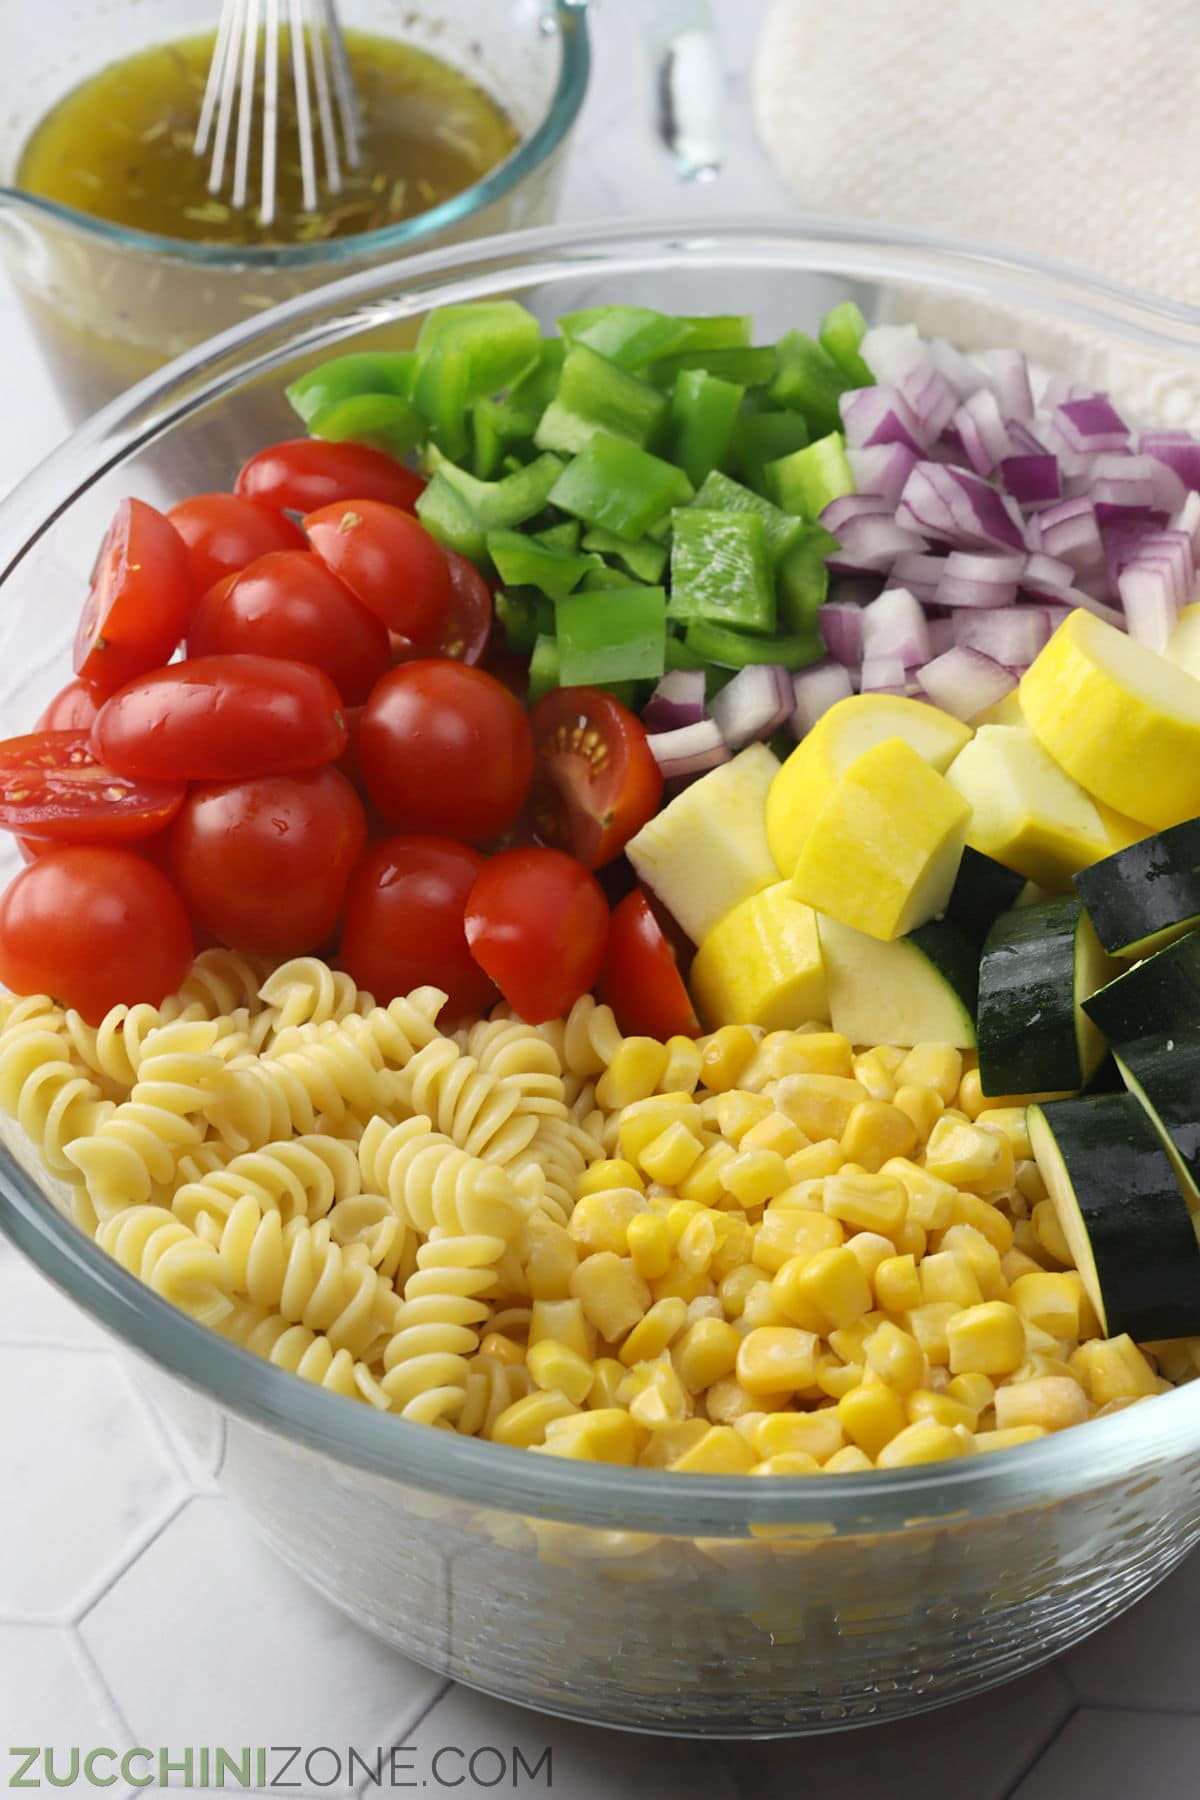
(478, 1111)
(177, 1264)
(432, 1183)
(372, 1221)
(306, 991)
(50, 1095)
(300, 1178)
(425, 1361)
(322, 1073)
(301, 1351)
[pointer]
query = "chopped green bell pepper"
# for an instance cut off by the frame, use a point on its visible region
(499, 505)
(749, 365)
(498, 339)
(806, 481)
(645, 558)
(716, 331)
(518, 613)
(562, 537)
(679, 656)
(385, 421)
(720, 493)
(603, 578)
(543, 668)
(763, 437)
(614, 484)
(841, 332)
(808, 381)
(444, 513)
(630, 336)
(616, 636)
(735, 649)
(346, 377)
(802, 580)
(441, 392)
(704, 411)
(521, 561)
(595, 396)
(487, 440)
(720, 569)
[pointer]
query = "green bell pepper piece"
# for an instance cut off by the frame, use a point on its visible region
(385, 421)
(441, 392)
(346, 377)
(562, 537)
(487, 440)
(806, 481)
(751, 366)
(679, 656)
(543, 668)
(595, 396)
(443, 511)
(521, 561)
(763, 437)
(720, 493)
(630, 336)
(735, 650)
(603, 578)
(720, 569)
(498, 339)
(808, 381)
(499, 505)
(616, 636)
(645, 559)
(704, 411)
(802, 580)
(615, 484)
(841, 332)
(717, 331)
(518, 613)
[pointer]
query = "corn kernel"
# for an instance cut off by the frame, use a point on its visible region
(1030, 1185)
(970, 1156)
(1054, 1401)
(926, 1403)
(1011, 1120)
(681, 1283)
(930, 1200)
(970, 1094)
(1049, 1233)
(775, 1133)
(817, 1434)
(820, 1159)
(809, 1053)
(910, 1240)
(724, 1055)
(607, 1436)
(705, 1351)
(1116, 1368)
(612, 1293)
(1049, 1301)
(927, 1323)
(762, 1307)
(921, 1106)
(924, 1441)
(984, 1258)
(871, 1417)
(702, 1183)
(837, 1378)
(897, 1283)
(850, 1341)
(868, 1202)
(819, 1104)
(721, 1451)
(850, 1460)
(896, 1357)
(972, 1389)
(869, 1249)
(704, 1306)
(755, 1176)
(699, 1239)
(733, 1250)
(1014, 1263)
(988, 1339)
(601, 1221)
(788, 1462)
(735, 1112)
(1008, 1440)
(562, 1322)
(644, 1120)
(988, 1220)
(671, 1155)
(949, 1276)
(649, 1244)
(502, 1348)
(659, 1397)
(651, 1335)
(736, 1287)
(727, 1401)
(524, 1423)
(607, 1376)
(876, 1131)
(829, 1286)
(936, 1066)
(774, 1359)
(633, 1074)
(551, 1261)
(672, 1441)
(610, 1172)
(679, 1215)
(684, 1060)
(558, 1366)
(877, 1073)
(788, 1232)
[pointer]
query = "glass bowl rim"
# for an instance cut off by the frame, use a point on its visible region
(570, 21)
(593, 1495)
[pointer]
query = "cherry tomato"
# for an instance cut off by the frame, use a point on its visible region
(94, 927)
(640, 979)
(141, 593)
(289, 604)
(445, 749)
(467, 627)
(404, 923)
(222, 718)
(225, 533)
(389, 561)
(538, 923)
(302, 474)
(350, 761)
(74, 708)
(596, 782)
(53, 785)
(263, 864)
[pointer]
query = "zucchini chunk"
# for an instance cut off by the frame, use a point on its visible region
(1160, 994)
(1164, 1074)
(1147, 894)
(1122, 1213)
(910, 990)
(1039, 963)
(983, 889)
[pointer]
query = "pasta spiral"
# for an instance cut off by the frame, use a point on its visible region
(425, 1361)
(306, 991)
(491, 1386)
(372, 1221)
(303, 1352)
(324, 1073)
(220, 982)
(50, 1096)
(476, 1110)
(432, 1183)
(299, 1178)
(523, 1059)
(155, 1245)
(590, 1038)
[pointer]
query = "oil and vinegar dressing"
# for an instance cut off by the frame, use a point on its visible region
(119, 146)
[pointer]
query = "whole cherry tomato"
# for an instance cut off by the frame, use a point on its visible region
(538, 923)
(404, 923)
(54, 786)
(224, 533)
(388, 561)
(263, 864)
(596, 782)
(288, 604)
(640, 979)
(94, 927)
(73, 708)
(137, 607)
(445, 749)
(303, 474)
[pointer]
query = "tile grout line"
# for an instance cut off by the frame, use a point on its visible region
(1038, 1752)
(101, 1681)
(415, 1723)
(135, 1554)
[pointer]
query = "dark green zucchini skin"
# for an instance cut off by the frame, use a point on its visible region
(983, 889)
(1137, 1222)
(953, 955)
(1025, 1023)
(1147, 888)
(1167, 1070)
(1159, 995)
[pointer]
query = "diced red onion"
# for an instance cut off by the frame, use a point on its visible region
(854, 590)
(956, 507)
(677, 700)
(941, 636)
(1092, 425)
(816, 689)
(848, 507)
(1179, 450)
(889, 351)
(918, 572)
(870, 544)
(1175, 549)
(754, 704)
(981, 430)
(931, 397)
(964, 682)
(884, 675)
(690, 750)
(1007, 374)
(1071, 532)
(1148, 595)
(1058, 388)
(882, 469)
(1169, 489)
(1123, 534)
(981, 580)
(962, 374)
(1110, 614)
(842, 628)
(1032, 478)
(894, 626)
(1047, 576)
(881, 415)
(1121, 484)
(1011, 635)
(1187, 519)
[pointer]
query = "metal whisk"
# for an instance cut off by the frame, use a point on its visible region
(319, 65)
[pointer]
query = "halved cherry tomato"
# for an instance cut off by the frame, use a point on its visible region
(596, 782)
(222, 718)
(225, 533)
(288, 604)
(388, 561)
(404, 923)
(302, 474)
(137, 608)
(74, 708)
(53, 785)
(467, 628)
(445, 749)
(538, 923)
(641, 980)
(263, 864)
(94, 927)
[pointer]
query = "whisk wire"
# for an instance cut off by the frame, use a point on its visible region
(270, 133)
(241, 164)
(304, 122)
(316, 38)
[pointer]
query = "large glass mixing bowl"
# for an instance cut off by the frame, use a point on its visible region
(673, 1603)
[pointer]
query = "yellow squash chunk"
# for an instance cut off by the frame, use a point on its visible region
(1121, 831)
(707, 851)
(1024, 811)
(761, 965)
(1001, 712)
(1183, 645)
(884, 849)
(1123, 721)
(838, 739)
